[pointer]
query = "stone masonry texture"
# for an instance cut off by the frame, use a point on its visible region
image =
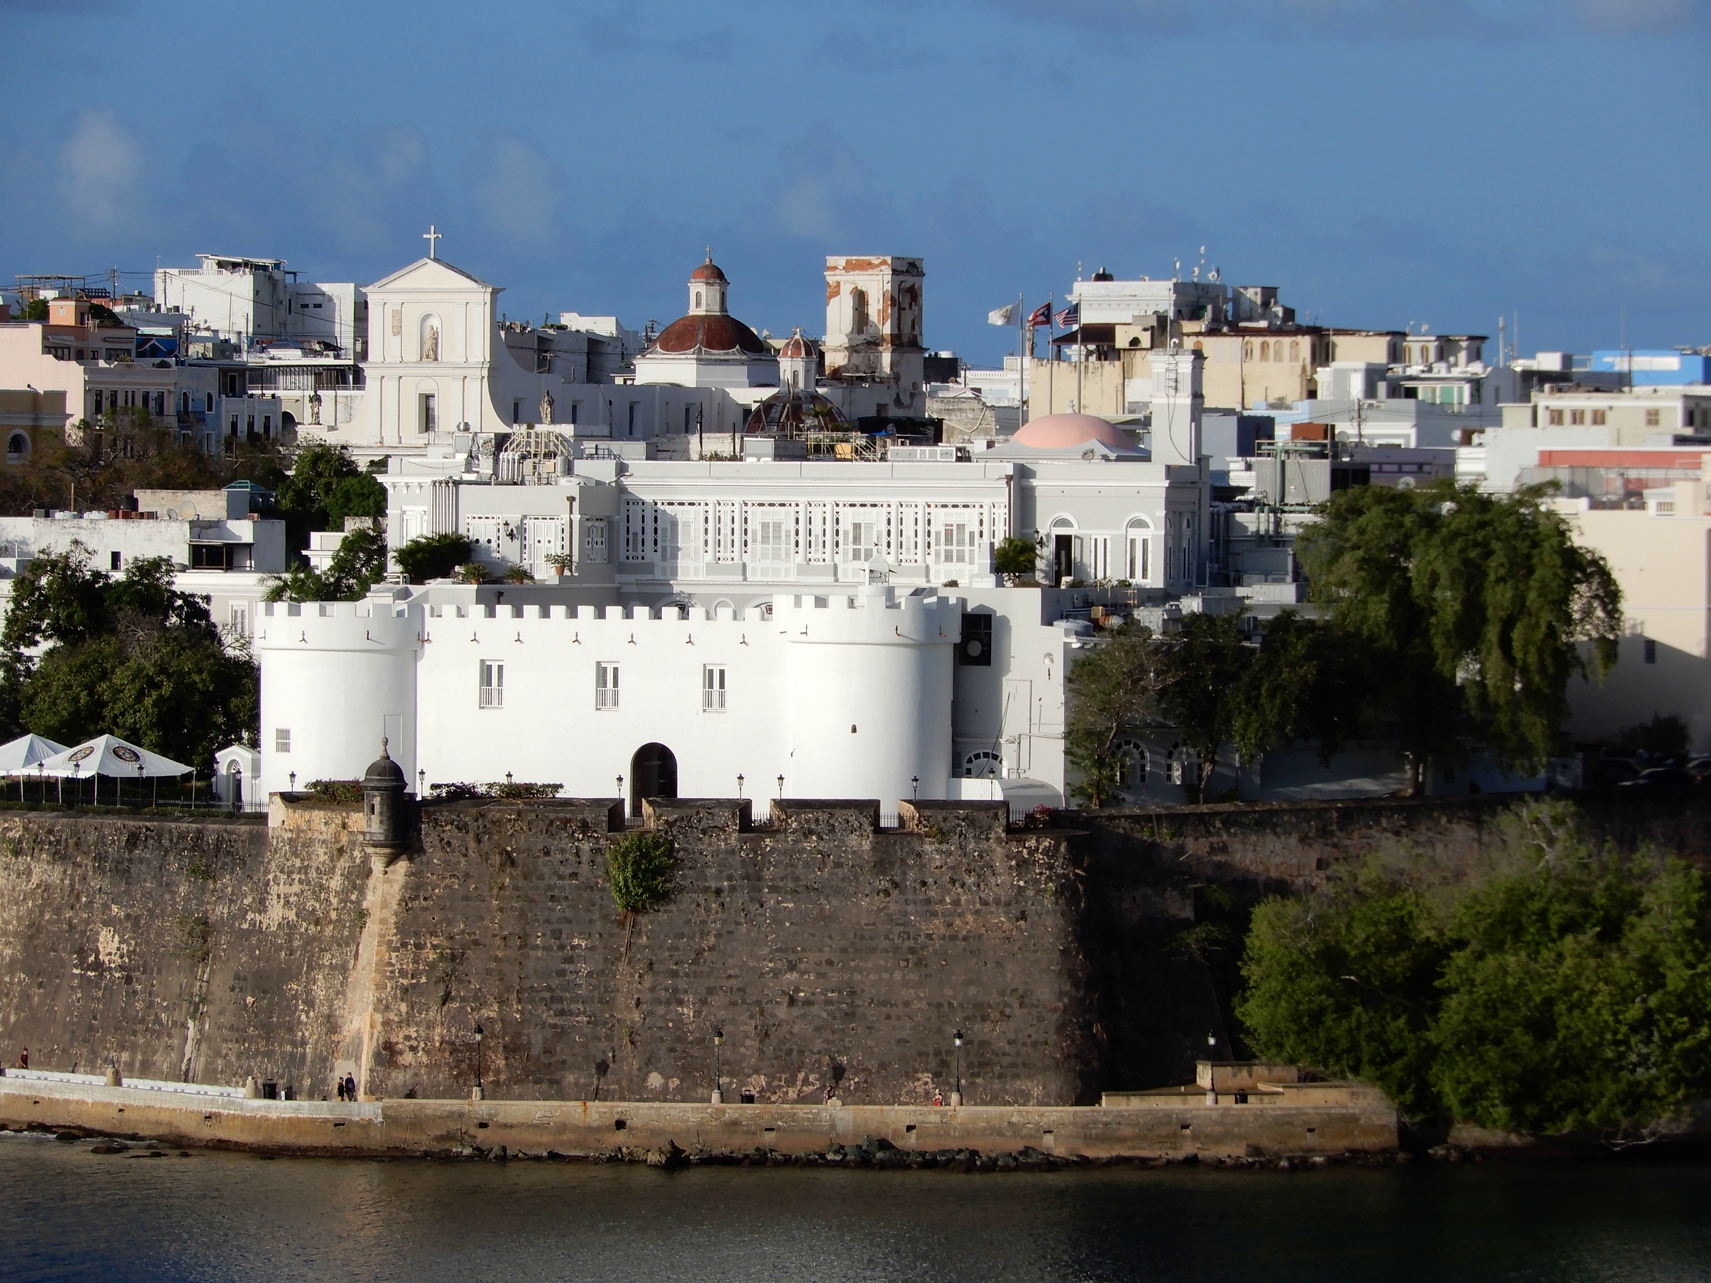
(836, 957)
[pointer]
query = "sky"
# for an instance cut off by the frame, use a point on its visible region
(1383, 162)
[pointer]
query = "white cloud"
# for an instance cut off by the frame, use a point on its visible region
(102, 175)
(516, 188)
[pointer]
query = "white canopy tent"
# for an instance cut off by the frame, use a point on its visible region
(21, 755)
(110, 756)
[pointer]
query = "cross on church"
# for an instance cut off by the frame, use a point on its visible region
(433, 238)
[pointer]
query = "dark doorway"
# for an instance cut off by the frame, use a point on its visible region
(1063, 559)
(653, 773)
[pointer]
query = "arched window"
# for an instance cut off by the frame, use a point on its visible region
(1137, 562)
(982, 765)
(1133, 755)
(697, 298)
(1294, 350)
(858, 310)
(17, 448)
(1265, 351)
(1248, 351)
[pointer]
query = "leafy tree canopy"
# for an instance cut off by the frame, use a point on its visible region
(1566, 988)
(431, 556)
(1475, 610)
(1015, 557)
(357, 566)
(87, 653)
(325, 487)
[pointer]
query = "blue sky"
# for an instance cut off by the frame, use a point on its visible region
(1382, 161)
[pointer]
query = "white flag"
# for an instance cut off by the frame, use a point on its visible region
(1002, 316)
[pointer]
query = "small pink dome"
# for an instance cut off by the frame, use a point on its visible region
(1063, 431)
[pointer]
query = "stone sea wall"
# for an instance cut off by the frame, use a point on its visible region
(837, 958)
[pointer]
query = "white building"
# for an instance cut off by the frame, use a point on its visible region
(220, 549)
(760, 617)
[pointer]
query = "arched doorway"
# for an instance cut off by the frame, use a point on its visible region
(653, 773)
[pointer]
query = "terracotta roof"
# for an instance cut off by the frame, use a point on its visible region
(797, 346)
(710, 332)
(708, 271)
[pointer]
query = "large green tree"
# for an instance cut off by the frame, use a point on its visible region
(1473, 610)
(1565, 988)
(325, 486)
(87, 653)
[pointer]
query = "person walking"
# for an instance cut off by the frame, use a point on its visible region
(342, 1096)
(350, 1088)
(24, 1058)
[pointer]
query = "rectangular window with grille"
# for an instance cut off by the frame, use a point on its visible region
(492, 684)
(712, 688)
(281, 740)
(605, 686)
(772, 542)
(858, 544)
(956, 544)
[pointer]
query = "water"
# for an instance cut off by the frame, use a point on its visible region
(69, 1214)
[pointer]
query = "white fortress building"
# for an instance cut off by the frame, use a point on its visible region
(744, 567)
(820, 628)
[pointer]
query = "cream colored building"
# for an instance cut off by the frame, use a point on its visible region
(1631, 415)
(1661, 557)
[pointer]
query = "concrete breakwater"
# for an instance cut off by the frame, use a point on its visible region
(667, 1133)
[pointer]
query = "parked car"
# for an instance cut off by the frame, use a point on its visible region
(1617, 770)
(1660, 777)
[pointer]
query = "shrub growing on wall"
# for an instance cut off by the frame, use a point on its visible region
(640, 867)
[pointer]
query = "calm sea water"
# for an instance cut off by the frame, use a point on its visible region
(68, 1214)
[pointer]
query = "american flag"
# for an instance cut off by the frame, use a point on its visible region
(1070, 317)
(1041, 315)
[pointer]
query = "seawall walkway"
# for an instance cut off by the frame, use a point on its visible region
(184, 1114)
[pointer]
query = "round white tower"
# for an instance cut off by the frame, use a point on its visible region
(869, 687)
(335, 678)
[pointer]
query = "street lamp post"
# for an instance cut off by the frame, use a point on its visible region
(718, 1080)
(293, 781)
(421, 784)
(956, 1092)
(480, 1092)
(915, 784)
(739, 786)
(781, 788)
(622, 801)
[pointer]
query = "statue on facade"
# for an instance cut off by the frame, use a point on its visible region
(546, 407)
(315, 406)
(431, 344)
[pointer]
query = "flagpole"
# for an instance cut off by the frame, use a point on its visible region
(1023, 352)
(1051, 361)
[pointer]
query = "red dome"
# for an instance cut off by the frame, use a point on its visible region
(709, 271)
(711, 332)
(1065, 431)
(798, 347)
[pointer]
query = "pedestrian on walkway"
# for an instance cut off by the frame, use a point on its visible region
(350, 1088)
(24, 1058)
